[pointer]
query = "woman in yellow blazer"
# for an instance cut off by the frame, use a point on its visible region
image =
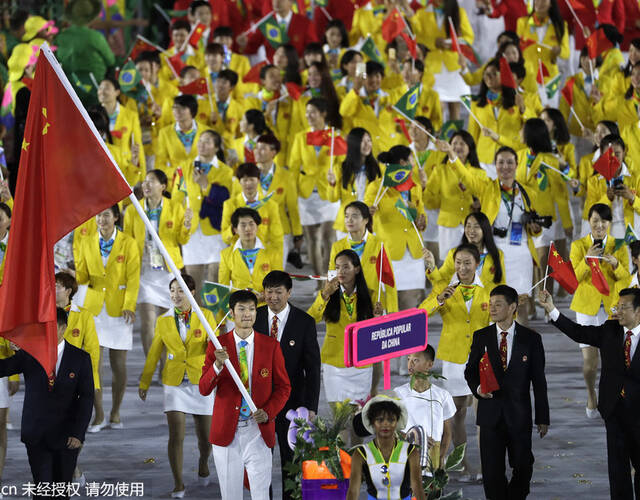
(403, 238)
(173, 224)
(310, 165)
(497, 111)
(621, 79)
(549, 34)
(432, 28)
(180, 31)
(623, 108)
(348, 64)
(367, 245)
(348, 181)
(345, 299)
(109, 263)
(252, 125)
(180, 333)
(463, 304)
(591, 306)
(5, 222)
(455, 199)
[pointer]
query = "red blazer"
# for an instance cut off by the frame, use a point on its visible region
(609, 12)
(270, 387)
(301, 32)
(337, 9)
(511, 10)
(631, 31)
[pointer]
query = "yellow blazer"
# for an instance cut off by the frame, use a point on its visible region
(233, 270)
(366, 22)
(285, 195)
(612, 61)
(545, 202)
(581, 105)
(7, 352)
(193, 58)
(486, 275)
(428, 28)
(587, 299)
(81, 333)
(597, 193)
(345, 196)
(114, 285)
(585, 169)
(281, 126)
(631, 136)
(228, 128)
(508, 124)
(310, 168)
(455, 199)
(182, 357)
(128, 123)
(393, 227)
(534, 52)
(622, 110)
(389, 295)
(171, 154)
(170, 229)
(458, 324)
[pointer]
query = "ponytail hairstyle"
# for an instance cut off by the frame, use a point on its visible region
(162, 178)
(395, 155)
(255, 117)
(217, 140)
(354, 159)
(364, 306)
(487, 241)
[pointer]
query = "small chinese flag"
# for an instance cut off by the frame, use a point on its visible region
(542, 72)
(488, 381)
(412, 45)
(253, 75)
(196, 87)
(196, 35)
(294, 90)
(607, 165)
(567, 91)
(139, 47)
(455, 46)
(384, 269)
(597, 278)
(393, 25)
(318, 137)
(526, 43)
(597, 43)
(506, 76)
(563, 271)
(176, 62)
(323, 138)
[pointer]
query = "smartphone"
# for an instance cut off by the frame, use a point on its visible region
(331, 273)
(197, 165)
(598, 243)
(392, 53)
(361, 70)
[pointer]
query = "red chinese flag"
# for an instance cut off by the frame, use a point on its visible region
(455, 46)
(139, 47)
(563, 271)
(403, 127)
(468, 52)
(176, 62)
(412, 45)
(66, 176)
(567, 91)
(607, 165)
(393, 25)
(506, 76)
(597, 278)
(196, 34)
(294, 90)
(253, 75)
(525, 43)
(488, 381)
(384, 269)
(597, 43)
(339, 145)
(542, 72)
(196, 87)
(318, 137)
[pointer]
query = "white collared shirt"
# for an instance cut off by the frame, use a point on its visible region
(258, 244)
(511, 331)
(60, 353)
(246, 200)
(282, 320)
(285, 20)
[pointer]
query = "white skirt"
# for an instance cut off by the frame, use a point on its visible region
(4, 392)
(588, 320)
(450, 86)
(518, 264)
(113, 333)
(346, 383)
(431, 232)
(202, 248)
(409, 272)
(449, 237)
(154, 287)
(186, 398)
(454, 382)
(315, 210)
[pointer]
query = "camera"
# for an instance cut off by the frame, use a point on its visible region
(500, 232)
(533, 217)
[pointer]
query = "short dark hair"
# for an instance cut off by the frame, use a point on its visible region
(242, 296)
(214, 48)
(150, 56)
(115, 210)
(61, 316)
(6, 209)
(187, 101)
(277, 278)
(429, 353)
(271, 140)
(265, 69)
(188, 279)
(181, 24)
(509, 293)
(364, 212)
(469, 248)
(230, 76)
(381, 408)
(186, 69)
(604, 211)
(610, 140)
(68, 282)
(198, 3)
(505, 149)
(222, 31)
(636, 295)
(374, 68)
(245, 212)
(247, 170)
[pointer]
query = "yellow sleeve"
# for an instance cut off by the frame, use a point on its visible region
(580, 266)
(316, 310)
(152, 358)
(466, 31)
(82, 272)
(291, 202)
(92, 346)
(133, 277)
(350, 104)
(225, 225)
(224, 270)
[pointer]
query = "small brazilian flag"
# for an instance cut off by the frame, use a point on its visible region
(449, 128)
(466, 100)
(273, 32)
(370, 50)
(128, 78)
(553, 86)
(629, 237)
(408, 103)
(409, 213)
(542, 177)
(215, 297)
(79, 84)
(398, 176)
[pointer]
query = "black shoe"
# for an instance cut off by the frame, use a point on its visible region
(294, 259)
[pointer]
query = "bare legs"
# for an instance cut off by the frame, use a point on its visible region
(319, 239)
(176, 421)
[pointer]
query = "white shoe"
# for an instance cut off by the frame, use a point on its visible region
(96, 428)
(204, 481)
(11, 427)
(177, 494)
(81, 480)
(592, 413)
(118, 426)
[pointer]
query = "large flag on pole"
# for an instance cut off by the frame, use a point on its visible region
(65, 178)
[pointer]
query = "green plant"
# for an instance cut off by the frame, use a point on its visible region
(434, 485)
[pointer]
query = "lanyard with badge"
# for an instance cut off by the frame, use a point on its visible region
(515, 237)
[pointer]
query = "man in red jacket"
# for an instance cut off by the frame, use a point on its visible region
(241, 439)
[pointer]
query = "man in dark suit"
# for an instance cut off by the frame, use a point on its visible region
(504, 416)
(54, 417)
(619, 391)
(296, 332)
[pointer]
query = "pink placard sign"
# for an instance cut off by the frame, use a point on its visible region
(384, 338)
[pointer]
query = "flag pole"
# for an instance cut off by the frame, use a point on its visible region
(209, 93)
(379, 199)
(575, 15)
(534, 286)
(225, 286)
(151, 230)
(379, 189)
(256, 25)
(575, 115)
(173, 70)
(380, 270)
(418, 233)
(472, 113)
(93, 80)
(157, 47)
(417, 124)
(546, 271)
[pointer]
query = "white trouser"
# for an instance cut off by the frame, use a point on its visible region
(247, 451)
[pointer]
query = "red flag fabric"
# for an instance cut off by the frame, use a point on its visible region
(506, 76)
(597, 43)
(139, 47)
(176, 62)
(542, 72)
(467, 51)
(196, 87)
(412, 45)
(563, 271)
(196, 34)
(526, 43)
(567, 91)
(383, 268)
(455, 46)
(339, 145)
(253, 75)
(294, 90)
(607, 165)
(318, 137)
(403, 126)
(65, 177)
(488, 381)
(393, 25)
(597, 278)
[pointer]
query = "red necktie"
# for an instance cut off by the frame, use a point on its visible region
(503, 350)
(274, 327)
(627, 349)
